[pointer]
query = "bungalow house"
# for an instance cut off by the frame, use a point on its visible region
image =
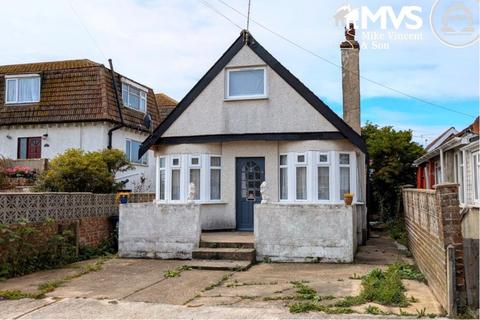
(249, 121)
(46, 108)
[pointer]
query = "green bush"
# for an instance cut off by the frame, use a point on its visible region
(25, 248)
(78, 171)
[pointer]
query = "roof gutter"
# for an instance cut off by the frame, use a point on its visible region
(119, 108)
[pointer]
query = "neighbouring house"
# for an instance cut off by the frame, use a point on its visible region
(443, 212)
(46, 108)
(453, 157)
(248, 121)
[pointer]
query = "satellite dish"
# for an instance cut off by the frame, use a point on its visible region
(147, 120)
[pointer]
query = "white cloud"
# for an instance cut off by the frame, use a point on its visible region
(168, 45)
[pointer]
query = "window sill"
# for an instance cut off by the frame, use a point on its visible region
(177, 202)
(246, 98)
(21, 103)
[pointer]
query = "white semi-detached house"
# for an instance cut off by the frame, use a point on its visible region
(250, 120)
(46, 108)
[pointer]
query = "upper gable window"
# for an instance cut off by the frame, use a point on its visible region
(134, 96)
(22, 88)
(246, 83)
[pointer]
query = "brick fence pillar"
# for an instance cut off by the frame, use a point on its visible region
(448, 207)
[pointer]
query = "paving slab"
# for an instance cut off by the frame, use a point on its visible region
(29, 283)
(117, 279)
(178, 290)
(107, 309)
(10, 309)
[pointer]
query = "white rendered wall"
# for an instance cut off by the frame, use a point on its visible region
(88, 137)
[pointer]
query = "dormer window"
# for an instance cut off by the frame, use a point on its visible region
(22, 88)
(246, 83)
(134, 96)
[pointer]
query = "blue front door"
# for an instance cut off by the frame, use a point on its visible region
(250, 173)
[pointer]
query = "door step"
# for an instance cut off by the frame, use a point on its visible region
(226, 244)
(230, 265)
(245, 254)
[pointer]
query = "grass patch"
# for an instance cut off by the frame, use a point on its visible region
(384, 288)
(13, 295)
(398, 232)
(407, 271)
(307, 306)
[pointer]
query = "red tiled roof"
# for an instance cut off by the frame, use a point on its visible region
(165, 104)
(72, 91)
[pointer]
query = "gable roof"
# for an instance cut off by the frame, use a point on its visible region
(72, 91)
(441, 138)
(246, 38)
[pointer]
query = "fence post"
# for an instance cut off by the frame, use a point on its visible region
(451, 281)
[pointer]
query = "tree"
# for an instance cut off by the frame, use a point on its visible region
(391, 154)
(78, 171)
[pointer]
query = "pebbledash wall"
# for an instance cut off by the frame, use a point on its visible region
(434, 223)
(89, 214)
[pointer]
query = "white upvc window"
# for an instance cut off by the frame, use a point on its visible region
(458, 175)
(132, 148)
(345, 171)
(215, 177)
(195, 167)
(323, 176)
(134, 96)
(22, 88)
(301, 177)
(246, 83)
(283, 160)
(178, 171)
(476, 177)
(162, 177)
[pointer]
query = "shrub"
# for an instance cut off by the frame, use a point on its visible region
(79, 171)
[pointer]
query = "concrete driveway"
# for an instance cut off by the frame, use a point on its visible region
(138, 288)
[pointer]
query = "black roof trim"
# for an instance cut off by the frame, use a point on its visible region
(287, 136)
(296, 84)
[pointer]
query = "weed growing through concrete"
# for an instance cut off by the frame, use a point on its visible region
(235, 284)
(176, 272)
(50, 286)
(219, 282)
(407, 271)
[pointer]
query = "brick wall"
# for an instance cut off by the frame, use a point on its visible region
(92, 231)
(433, 222)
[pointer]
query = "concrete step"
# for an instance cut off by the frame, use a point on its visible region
(224, 254)
(226, 244)
(230, 265)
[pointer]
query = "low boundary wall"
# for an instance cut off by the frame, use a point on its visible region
(304, 233)
(165, 231)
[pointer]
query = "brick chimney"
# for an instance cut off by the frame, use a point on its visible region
(351, 79)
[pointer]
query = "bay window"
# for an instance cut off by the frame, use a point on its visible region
(344, 165)
(317, 176)
(215, 174)
(175, 179)
(283, 177)
(301, 177)
(323, 177)
(178, 171)
(22, 88)
(476, 177)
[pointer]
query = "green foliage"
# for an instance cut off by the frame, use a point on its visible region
(384, 287)
(407, 271)
(398, 231)
(78, 171)
(13, 295)
(4, 164)
(373, 310)
(26, 248)
(391, 155)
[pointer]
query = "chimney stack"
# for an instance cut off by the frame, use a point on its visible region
(351, 79)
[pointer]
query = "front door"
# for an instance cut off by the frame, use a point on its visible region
(250, 173)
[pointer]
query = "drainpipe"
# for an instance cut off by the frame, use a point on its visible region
(119, 108)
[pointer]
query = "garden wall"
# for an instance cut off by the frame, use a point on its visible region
(165, 231)
(433, 222)
(302, 233)
(87, 214)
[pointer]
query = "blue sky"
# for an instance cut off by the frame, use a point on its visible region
(169, 44)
